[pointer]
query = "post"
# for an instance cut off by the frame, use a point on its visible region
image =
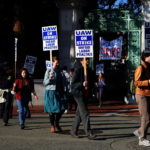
(51, 56)
(16, 40)
(85, 70)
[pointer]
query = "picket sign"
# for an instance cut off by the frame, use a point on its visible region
(84, 46)
(50, 39)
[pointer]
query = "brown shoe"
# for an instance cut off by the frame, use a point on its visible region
(52, 129)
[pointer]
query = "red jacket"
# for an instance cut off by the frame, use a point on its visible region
(18, 89)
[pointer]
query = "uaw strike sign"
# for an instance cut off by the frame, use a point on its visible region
(50, 38)
(84, 43)
(29, 64)
(110, 50)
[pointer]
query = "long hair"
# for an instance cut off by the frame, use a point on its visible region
(27, 73)
(101, 76)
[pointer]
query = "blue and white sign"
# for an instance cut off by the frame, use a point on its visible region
(48, 64)
(99, 68)
(50, 38)
(84, 43)
(110, 50)
(29, 64)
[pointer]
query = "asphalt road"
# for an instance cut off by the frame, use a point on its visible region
(113, 133)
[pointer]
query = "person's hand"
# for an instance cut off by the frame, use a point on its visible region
(51, 76)
(85, 83)
(12, 92)
(36, 97)
(96, 84)
(14, 85)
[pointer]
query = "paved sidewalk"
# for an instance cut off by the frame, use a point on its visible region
(108, 108)
(113, 133)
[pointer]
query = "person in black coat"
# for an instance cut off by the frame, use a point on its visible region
(6, 82)
(81, 89)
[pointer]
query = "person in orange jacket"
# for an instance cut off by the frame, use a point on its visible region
(142, 94)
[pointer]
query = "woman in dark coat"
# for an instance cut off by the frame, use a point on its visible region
(6, 82)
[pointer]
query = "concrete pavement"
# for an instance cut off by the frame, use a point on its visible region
(113, 133)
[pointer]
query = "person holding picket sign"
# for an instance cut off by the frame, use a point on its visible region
(54, 92)
(81, 87)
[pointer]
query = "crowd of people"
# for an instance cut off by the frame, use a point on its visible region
(64, 88)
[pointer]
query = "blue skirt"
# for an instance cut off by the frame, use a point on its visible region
(52, 102)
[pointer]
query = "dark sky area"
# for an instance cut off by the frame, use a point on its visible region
(33, 14)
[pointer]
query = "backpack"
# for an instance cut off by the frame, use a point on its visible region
(132, 87)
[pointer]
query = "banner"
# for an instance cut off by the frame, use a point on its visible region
(110, 50)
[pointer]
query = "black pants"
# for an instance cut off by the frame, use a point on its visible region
(81, 115)
(71, 102)
(55, 118)
(5, 108)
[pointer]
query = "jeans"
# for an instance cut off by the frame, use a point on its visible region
(22, 110)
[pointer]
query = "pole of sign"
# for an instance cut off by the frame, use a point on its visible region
(16, 40)
(51, 57)
(85, 71)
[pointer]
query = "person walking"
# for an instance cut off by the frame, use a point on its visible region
(100, 87)
(54, 93)
(66, 78)
(80, 90)
(6, 82)
(23, 87)
(142, 94)
(71, 100)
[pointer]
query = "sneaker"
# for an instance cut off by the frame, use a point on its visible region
(144, 142)
(136, 133)
(59, 129)
(66, 111)
(22, 126)
(5, 124)
(126, 100)
(91, 136)
(74, 135)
